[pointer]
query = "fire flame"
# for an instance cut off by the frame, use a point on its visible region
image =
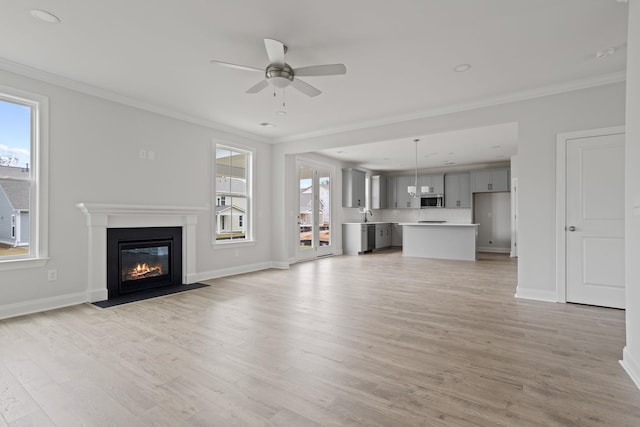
(141, 271)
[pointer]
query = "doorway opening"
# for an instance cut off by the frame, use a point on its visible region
(314, 219)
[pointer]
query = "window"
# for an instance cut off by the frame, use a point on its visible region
(22, 193)
(233, 194)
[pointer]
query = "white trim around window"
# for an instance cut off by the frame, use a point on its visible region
(39, 190)
(245, 195)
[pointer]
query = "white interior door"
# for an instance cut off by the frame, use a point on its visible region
(314, 221)
(595, 221)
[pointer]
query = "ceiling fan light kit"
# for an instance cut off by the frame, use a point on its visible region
(282, 75)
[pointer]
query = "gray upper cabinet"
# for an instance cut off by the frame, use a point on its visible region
(457, 190)
(403, 199)
(490, 180)
(391, 192)
(353, 188)
(378, 192)
(436, 181)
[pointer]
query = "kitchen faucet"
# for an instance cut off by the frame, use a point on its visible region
(365, 212)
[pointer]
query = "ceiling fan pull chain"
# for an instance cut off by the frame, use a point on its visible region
(284, 100)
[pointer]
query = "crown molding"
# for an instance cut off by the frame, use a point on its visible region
(457, 108)
(88, 89)
(58, 80)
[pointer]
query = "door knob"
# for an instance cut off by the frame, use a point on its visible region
(572, 228)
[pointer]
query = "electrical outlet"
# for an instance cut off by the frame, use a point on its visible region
(143, 154)
(52, 275)
(237, 252)
(151, 155)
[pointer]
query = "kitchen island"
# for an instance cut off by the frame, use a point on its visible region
(443, 241)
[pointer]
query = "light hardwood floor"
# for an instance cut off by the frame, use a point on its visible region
(376, 340)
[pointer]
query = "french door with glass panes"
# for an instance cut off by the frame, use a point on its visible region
(313, 220)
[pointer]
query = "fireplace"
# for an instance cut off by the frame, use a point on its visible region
(141, 259)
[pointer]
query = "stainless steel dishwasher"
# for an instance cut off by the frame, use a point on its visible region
(371, 237)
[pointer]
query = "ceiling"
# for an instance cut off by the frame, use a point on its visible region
(400, 56)
(449, 150)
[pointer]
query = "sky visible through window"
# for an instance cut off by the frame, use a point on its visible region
(15, 134)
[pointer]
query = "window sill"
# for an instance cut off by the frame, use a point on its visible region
(22, 263)
(231, 244)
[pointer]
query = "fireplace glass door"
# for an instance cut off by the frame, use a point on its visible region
(144, 264)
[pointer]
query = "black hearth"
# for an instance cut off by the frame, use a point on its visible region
(141, 259)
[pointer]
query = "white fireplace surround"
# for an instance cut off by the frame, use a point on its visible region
(101, 216)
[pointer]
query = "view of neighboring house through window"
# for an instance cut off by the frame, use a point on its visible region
(16, 177)
(233, 194)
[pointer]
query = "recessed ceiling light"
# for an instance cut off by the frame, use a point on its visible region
(267, 125)
(340, 151)
(604, 53)
(386, 158)
(462, 68)
(281, 113)
(451, 153)
(496, 146)
(44, 16)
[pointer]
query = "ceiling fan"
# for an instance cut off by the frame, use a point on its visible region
(281, 74)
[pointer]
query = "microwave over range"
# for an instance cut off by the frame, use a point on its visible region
(432, 201)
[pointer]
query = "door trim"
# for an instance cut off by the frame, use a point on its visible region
(561, 200)
(331, 250)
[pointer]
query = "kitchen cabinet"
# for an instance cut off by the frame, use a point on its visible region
(355, 238)
(490, 180)
(435, 181)
(396, 234)
(403, 198)
(353, 188)
(358, 238)
(391, 192)
(378, 192)
(457, 190)
(383, 235)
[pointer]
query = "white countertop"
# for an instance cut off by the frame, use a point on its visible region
(445, 224)
(371, 222)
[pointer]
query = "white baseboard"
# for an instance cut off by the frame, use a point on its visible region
(535, 294)
(223, 272)
(99, 295)
(631, 366)
(43, 304)
(281, 265)
(494, 249)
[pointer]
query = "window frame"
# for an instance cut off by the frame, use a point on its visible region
(248, 217)
(38, 185)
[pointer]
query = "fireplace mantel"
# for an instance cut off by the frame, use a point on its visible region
(101, 216)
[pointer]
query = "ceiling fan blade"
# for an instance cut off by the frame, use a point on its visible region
(258, 87)
(236, 66)
(275, 51)
(321, 70)
(305, 88)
